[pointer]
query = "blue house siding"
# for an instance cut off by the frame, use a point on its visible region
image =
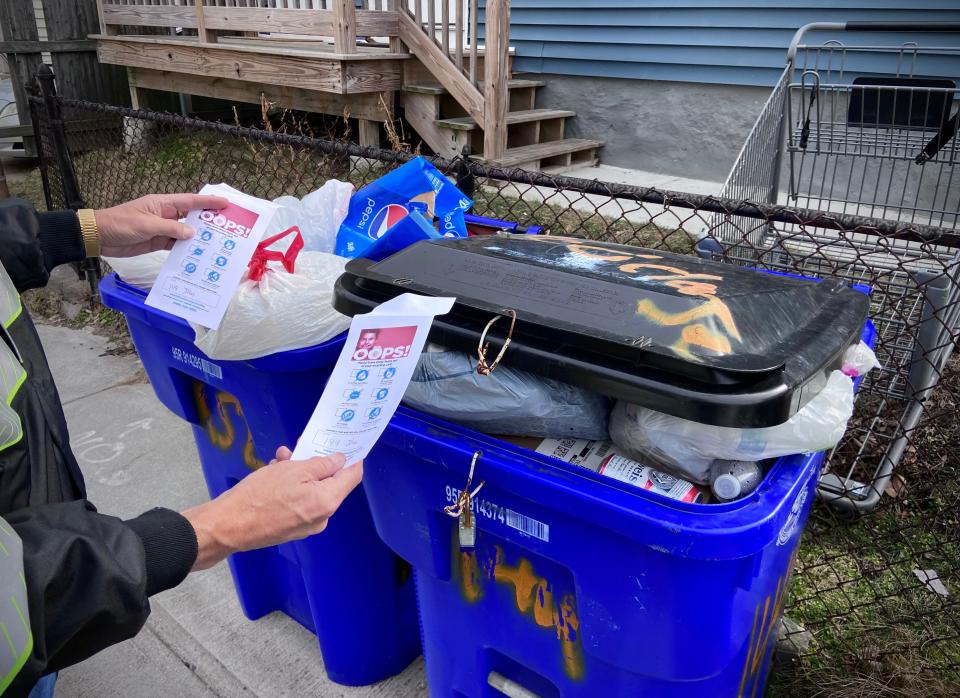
(739, 42)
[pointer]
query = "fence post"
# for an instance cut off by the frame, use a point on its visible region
(496, 70)
(41, 151)
(466, 182)
(68, 177)
(90, 267)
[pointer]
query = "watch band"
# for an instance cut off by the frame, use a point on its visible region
(88, 229)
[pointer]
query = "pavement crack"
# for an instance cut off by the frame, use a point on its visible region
(135, 379)
(202, 663)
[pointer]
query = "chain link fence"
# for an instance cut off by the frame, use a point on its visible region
(875, 603)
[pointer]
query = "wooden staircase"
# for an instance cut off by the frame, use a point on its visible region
(536, 138)
(315, 55)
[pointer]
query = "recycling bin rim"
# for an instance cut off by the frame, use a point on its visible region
(113, 289)
(731, 530)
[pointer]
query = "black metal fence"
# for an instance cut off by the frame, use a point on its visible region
(875, 602)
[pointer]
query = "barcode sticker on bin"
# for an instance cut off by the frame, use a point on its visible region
(525, 524)
(486, 511)
(211, 369)
(208, 367)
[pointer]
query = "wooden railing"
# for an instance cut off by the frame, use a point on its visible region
(338, 19)
(443, 34)
(452, 56)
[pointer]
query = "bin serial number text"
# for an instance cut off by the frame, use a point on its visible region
(508, 517)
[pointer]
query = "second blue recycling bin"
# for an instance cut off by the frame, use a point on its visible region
(578, 585)
(581, 586)
(344, 585)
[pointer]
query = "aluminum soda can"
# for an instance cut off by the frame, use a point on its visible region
(639, 475)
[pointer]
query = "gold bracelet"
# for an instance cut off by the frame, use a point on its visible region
(88, 228)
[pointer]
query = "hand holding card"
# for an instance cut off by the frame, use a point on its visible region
(371, 375)
(200, 276)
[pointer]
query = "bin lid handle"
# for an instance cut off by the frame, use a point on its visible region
(483, 368)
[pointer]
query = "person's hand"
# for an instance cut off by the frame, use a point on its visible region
(286, 500)
(149, 223)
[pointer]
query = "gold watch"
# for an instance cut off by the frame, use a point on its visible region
(88, 228)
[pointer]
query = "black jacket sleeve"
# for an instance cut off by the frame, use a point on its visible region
(32, 244)
(89, 577)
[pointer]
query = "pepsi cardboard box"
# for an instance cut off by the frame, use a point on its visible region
(381, 205)
(411, 228)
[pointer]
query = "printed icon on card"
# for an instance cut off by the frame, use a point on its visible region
(213, 276)
(197, 251)
(389, 373)
(189, 267)
(206, 235)
(374, 413)
(382, 394)
(229, 244)
(361, 375)
(347, 415)
(220, 261)
(352, 395)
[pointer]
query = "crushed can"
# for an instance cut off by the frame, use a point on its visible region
(645, 477)
(601, 458)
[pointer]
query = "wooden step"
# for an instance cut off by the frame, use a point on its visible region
(514, 157)
(466, 123)
(437, 89)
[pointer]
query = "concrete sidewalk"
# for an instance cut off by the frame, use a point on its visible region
(136, 455)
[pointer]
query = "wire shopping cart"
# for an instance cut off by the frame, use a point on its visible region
(866, 130)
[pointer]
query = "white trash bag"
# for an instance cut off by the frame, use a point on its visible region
(140, 271)
(689, 448)
(859, 360)
(284, 302)
(318, 215)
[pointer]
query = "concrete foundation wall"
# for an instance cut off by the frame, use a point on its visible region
(684, 129)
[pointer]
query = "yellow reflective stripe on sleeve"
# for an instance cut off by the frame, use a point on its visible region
(10, 305)
(12, 376)
(16, 644)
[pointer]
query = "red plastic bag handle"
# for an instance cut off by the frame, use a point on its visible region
(258, 263)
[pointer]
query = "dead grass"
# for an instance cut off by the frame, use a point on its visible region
(878, 629)
(28, 185)
(48, 305)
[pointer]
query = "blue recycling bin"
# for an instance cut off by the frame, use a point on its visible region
(344, 585)
(581, 585)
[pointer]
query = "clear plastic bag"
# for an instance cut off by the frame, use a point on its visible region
(281, 311)
(507, 401)
(689, 448)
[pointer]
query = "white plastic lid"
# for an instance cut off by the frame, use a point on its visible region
(727, 486)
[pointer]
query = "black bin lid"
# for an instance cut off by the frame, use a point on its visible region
(702, 340)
